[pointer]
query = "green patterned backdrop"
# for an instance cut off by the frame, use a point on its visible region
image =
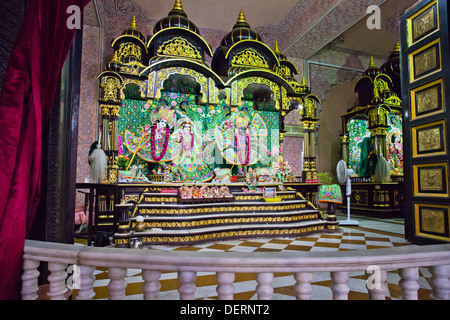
(134, 115)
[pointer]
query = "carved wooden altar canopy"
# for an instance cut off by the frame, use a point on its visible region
(242, 68)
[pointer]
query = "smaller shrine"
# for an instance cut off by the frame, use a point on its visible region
(371, 140)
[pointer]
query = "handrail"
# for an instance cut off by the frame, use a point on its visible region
(263, 263)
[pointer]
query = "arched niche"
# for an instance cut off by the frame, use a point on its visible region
(262, 96)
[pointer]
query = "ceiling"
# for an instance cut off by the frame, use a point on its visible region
(222, 15)
(301, 27)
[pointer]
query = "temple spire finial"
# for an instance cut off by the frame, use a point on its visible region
(303, 81)
(397, 46)
(133, 23)
(177, 5)
(241, 17)
(372, 63)
(277, 48)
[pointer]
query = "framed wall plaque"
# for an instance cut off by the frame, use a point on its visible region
(427, 99)
(432, 220)
(429, 139)
(424, 22)
(431, 180)
(426, 60)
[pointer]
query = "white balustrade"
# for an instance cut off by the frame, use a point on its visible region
(30, 279)
(339, 285)
(303, 287)
(302, 265)
(57, 280)
(117, 284)
(264, 288)
(87, 279)
(225, 287)
(187, 285)
(151, 284)
(408, 283)
(440, 282)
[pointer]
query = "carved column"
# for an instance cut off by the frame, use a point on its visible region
(110, 101)
(114, 148)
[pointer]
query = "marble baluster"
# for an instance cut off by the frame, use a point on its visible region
(87, 279)
(408, 283)
(264, 288)
(440, 282)
(187, 286)
(377, 287)
(303, 287)
(151, 286)
(30, 280)
(117, 283)
(225, 287)
(339, 285)
(57, 281)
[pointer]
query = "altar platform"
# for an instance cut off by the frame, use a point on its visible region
(166, 220)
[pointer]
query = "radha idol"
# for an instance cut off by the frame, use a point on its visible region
(188, 145)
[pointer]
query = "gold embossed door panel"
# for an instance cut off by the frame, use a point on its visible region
(425, 92)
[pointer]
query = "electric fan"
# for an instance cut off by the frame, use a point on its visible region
(343, 176)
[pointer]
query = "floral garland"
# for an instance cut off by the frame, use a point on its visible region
(152, 143)
(247, 142)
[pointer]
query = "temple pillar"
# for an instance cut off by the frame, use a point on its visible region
(344, 147)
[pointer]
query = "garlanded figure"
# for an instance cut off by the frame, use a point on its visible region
(188, 149)
(155, 143)
(241, 141)
(395, 152)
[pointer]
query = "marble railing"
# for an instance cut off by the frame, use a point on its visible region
(303, 265)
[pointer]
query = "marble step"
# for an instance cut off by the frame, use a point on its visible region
(214, 233)
(223, 207)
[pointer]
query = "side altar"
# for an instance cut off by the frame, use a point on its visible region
(372, 146)
(170, 118)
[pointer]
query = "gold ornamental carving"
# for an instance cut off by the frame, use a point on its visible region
(128, 49)
(431, 179)
(433, 220)
(425, 61)
(423, 23)
(250, 57)
(110, 87)
(428, 99)
(179, 47)
(429, 139)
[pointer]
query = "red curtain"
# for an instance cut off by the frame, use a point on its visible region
(28, 91)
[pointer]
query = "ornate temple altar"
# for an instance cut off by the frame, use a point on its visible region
(170, 118)
(372, 141)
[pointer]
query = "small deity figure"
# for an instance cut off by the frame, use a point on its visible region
(215, 192)
(225, 192)
(250, 179)
(196, 192)
(205, 192)
(185, 192)
(395, 153)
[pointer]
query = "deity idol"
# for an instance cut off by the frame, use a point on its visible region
(188, 145)
(241, 141)
(395, 152)
(155, 143)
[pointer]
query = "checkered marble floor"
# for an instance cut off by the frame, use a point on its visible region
(363, 237)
